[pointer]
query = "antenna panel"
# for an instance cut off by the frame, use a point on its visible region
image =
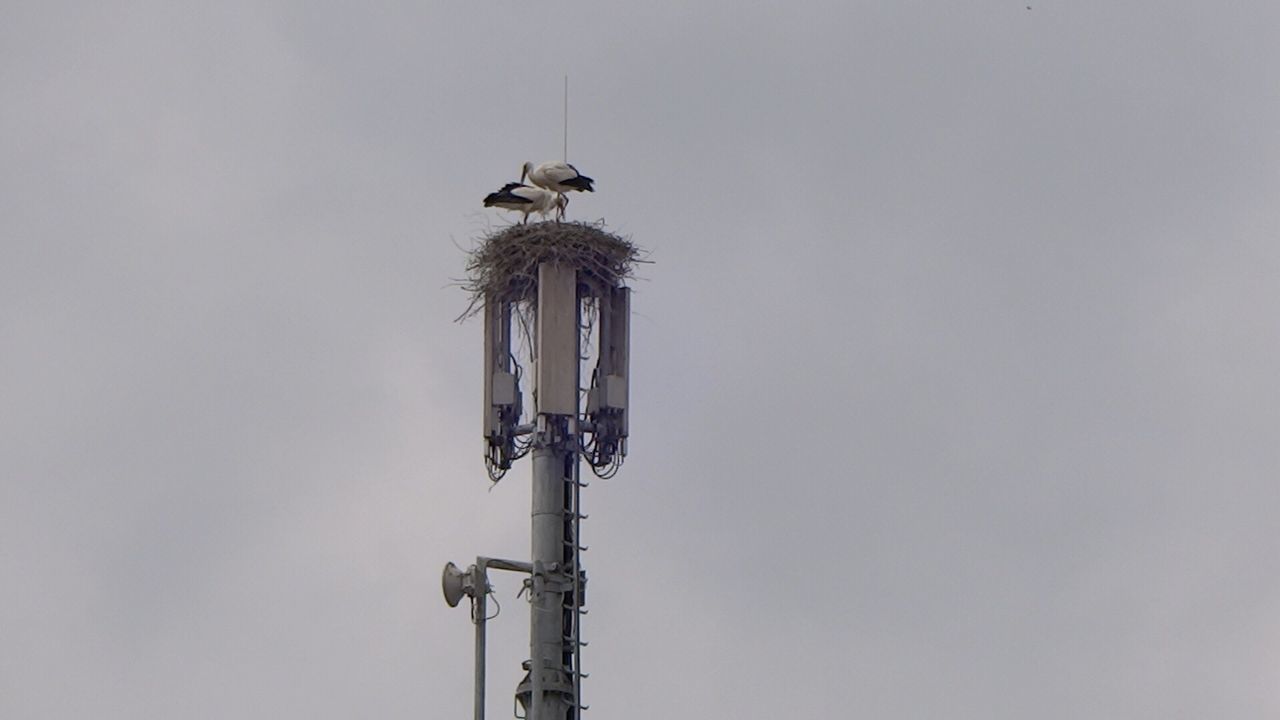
(497, 362)
(616, 350)
(557, 366)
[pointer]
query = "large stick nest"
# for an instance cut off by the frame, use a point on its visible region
(504, 264)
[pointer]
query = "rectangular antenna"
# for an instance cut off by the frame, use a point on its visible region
(616, 347)
(557, 343)
(499, 382)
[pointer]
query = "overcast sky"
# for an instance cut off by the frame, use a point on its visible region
(955, 377)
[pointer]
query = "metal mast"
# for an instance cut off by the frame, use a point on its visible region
(552, 686)
(550, 690)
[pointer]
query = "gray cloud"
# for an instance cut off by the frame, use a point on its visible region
(954, 374)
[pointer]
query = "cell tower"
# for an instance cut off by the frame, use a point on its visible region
(555, 283)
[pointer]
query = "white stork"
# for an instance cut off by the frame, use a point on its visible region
(524, 199)
(556, 176)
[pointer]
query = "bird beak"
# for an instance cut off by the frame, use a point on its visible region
(524, 170)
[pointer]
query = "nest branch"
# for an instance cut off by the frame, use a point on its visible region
(504, 264)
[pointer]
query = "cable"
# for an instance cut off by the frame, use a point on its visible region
(494, 597)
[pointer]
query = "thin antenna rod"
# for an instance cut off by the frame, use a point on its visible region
(566, 118)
